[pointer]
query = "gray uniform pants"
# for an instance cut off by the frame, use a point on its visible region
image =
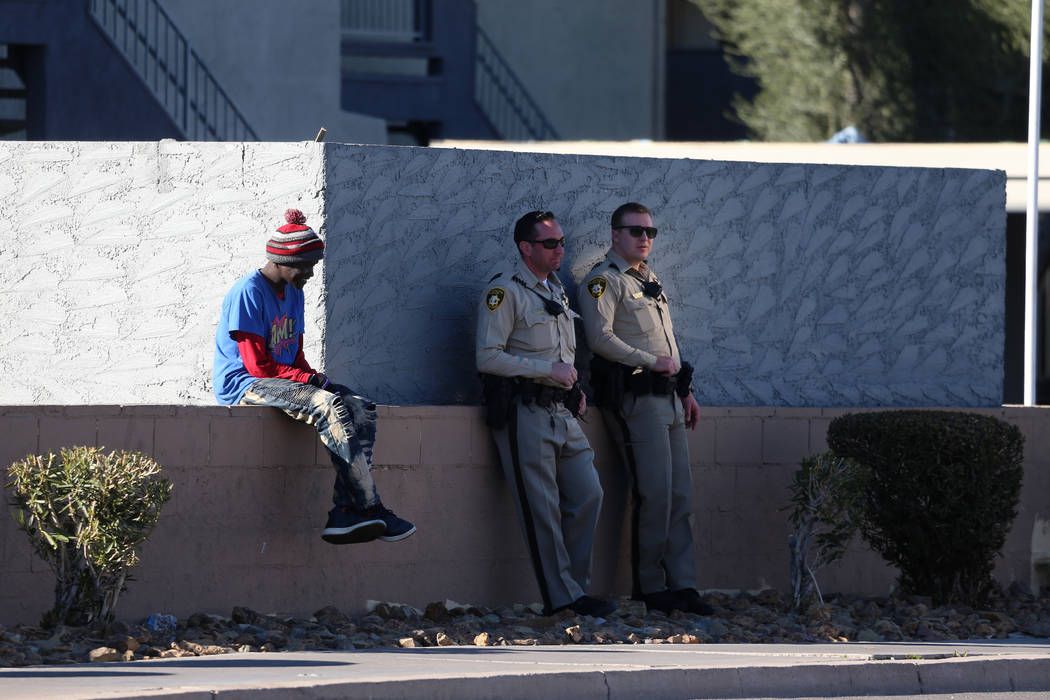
(549, 466)
(650, 434)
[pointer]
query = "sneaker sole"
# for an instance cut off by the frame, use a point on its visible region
(396, 538)
(362, 532)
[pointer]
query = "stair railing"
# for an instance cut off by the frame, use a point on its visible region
(504, 101)
(153, 45)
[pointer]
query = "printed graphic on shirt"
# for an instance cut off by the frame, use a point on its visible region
(494, 298)
(283, 335)
(596, 287)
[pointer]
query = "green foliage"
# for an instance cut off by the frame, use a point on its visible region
(940, 70)
(826, 498)
(941, 493)
(85, 513)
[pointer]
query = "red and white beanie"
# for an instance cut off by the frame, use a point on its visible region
(295, 241)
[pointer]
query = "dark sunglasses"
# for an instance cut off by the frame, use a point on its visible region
(551, 243)
(637, 231)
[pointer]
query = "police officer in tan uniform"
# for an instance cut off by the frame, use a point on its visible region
(526, 344)
(646, 398)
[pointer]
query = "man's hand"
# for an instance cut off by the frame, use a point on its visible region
(338, 388)
(692, 412)
(563, 374)
(583, 404)
(665, 365)
(321, 381)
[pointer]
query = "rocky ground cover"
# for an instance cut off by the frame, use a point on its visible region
(738, 617)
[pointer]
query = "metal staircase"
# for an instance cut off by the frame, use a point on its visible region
(503, 99)
(428, 62)
(155, 48)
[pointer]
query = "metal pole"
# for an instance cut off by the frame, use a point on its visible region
(1035, 90)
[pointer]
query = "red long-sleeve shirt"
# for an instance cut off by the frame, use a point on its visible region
(259, 363)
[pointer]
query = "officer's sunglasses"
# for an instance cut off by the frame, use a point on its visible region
(551, 243)
(637, 231)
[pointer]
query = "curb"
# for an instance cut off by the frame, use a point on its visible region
(845, 678)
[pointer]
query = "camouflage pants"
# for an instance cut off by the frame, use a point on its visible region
(346, 424)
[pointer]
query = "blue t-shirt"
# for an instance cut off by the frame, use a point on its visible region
(252, 306)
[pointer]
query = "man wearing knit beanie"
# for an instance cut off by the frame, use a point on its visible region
(259, 361)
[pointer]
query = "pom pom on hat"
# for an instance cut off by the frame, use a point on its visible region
(294, 216)
(295, 241)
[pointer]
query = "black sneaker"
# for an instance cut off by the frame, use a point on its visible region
(396, 528)
(664, 601)
(688, 600)
(346, 526)
(586, 605)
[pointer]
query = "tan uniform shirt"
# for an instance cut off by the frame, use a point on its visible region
(622, 323)
(517, 336)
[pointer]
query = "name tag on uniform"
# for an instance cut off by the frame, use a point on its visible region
(637, 295)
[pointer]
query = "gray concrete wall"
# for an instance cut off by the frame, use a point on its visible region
(594, 67)
(280, 64)
(791, 285)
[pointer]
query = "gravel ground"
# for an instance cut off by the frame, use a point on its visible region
(738, 617)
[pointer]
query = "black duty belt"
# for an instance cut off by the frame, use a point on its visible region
(612, 380)
(498, 395)
(541, 394)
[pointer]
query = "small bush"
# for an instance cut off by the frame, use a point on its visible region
(826, 499)
(942, 492)
(85, 513)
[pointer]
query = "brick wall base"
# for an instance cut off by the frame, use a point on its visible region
(252, 488)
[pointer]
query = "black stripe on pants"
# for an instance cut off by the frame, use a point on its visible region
(636, 503)
(526, 510)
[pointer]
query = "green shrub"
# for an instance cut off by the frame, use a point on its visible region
(85, 513)
(826, 500)
(942, 492)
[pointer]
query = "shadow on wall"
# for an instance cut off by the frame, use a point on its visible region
(798, 285)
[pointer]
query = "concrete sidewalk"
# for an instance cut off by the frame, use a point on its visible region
(579, 672)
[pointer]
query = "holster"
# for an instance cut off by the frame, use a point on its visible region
(497, 395)
(607, 380)
(572, 401)
(684, 381)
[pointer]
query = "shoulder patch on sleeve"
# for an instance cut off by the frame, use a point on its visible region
(596, 287)
(494, 298)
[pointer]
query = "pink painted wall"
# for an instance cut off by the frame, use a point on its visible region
(252, 488)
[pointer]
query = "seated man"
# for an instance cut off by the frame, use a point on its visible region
(259, 361)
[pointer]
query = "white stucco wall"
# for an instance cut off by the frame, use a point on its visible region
(798, 285)
(114, 258)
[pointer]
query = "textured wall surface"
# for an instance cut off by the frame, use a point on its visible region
(114, 258)
(798, 285)
(795, 285)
